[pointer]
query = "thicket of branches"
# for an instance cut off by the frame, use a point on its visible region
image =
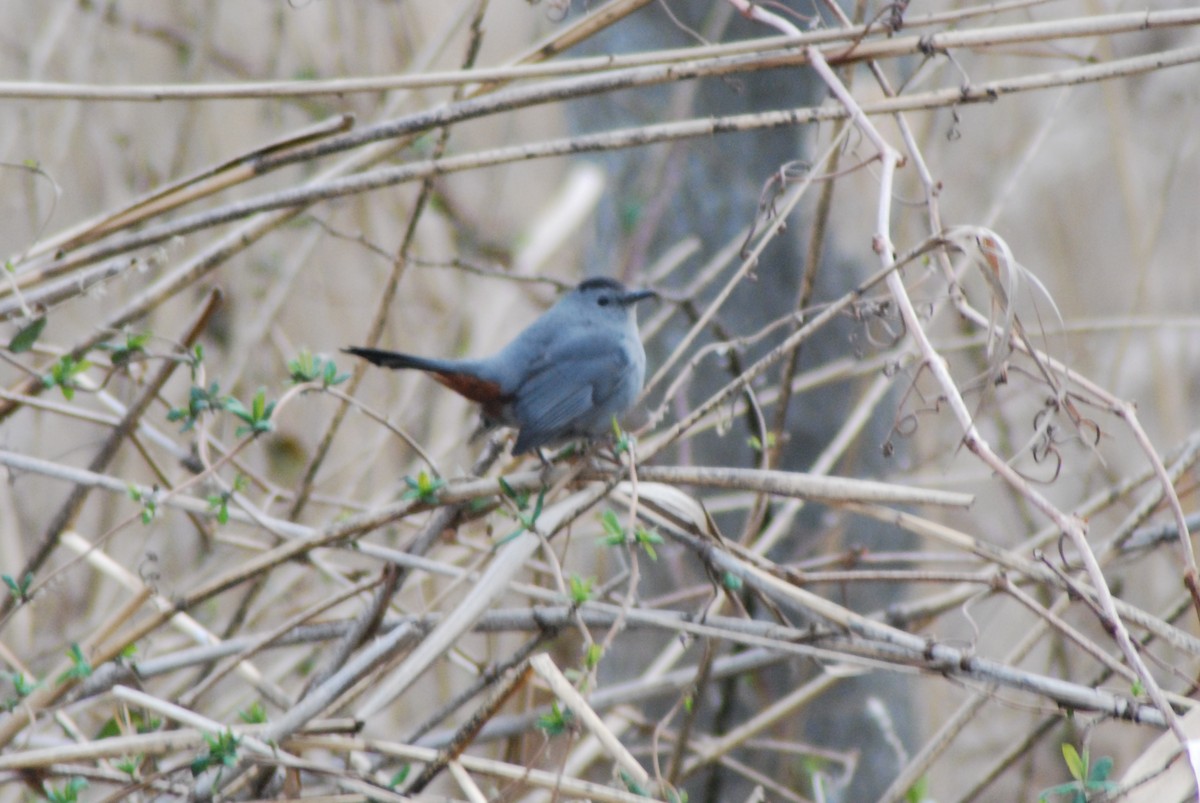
(237, 563)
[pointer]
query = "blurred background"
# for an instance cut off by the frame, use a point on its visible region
(1092, 186)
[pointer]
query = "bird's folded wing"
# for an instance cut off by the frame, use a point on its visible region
(566, 388)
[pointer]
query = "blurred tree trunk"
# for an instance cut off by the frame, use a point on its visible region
(711, 189)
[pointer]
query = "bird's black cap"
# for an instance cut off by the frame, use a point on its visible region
(601, 283)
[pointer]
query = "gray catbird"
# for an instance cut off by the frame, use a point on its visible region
(563, 377)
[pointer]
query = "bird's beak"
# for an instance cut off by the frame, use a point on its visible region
(634, 296)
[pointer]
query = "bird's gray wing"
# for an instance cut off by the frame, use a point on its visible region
(565, 389)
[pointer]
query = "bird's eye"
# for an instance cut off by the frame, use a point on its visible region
(602, 301)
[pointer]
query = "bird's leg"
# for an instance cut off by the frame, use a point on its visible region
(484, 427)
(547, 468)
(606, 449)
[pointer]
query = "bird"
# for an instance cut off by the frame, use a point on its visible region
(564, 377)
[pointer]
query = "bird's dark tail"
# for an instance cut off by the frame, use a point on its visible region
(396, 359)
(460, 376)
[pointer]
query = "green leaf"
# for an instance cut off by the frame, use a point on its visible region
(332, 377)
(621, 440)
(27, 335)
(1071, 788)
(200, 401)
(149, 509)
(112, 727)
(222, 752)
(919, 791)
(614, 533)
(756, 443)
(80, 668)
(196, 358)
(1075, 765)
(19, 589)
(68, 793)
(220, 503)
(521, 500)
(423, 488)
(198, 765)
(557, 721)
(308, 368)
(63, 375)
(400, 777)
(130, 765)
(647, 540)
(109, 729)
(528, 520)
(134, 344)
(237, 408)
(255, 714)
(537, 507)
(22, 688)
(632, 784)
(257, 418)
(303, 368)
(580, 588)
(1101, 768)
